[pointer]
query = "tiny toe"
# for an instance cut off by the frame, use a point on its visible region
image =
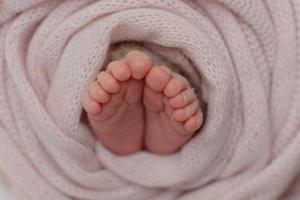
(119, 70)
(158, 78)
(91, 106)
(184, 113)
(175, 85)
(98, 93)
(194, 123)
(183, 98)
(139, 64)
(108, 82)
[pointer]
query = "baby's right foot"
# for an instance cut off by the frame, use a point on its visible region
(114, 103)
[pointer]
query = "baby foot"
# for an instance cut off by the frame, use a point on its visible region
(132, 98)
(172, 111)
(114, 103)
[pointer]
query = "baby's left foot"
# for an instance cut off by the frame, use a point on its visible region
(172, 111)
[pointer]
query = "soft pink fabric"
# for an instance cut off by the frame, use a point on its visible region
(248, 53)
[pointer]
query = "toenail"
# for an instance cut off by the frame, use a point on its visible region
(179, 115)
(177, 86)
(166, 70)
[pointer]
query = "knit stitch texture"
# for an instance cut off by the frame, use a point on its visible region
(248, 55)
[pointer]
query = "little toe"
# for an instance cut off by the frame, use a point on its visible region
(98, 93)
(91, 106)
(194, 123)
(183, 98)
(139, 64)
(185, 113)
(158, 78)
(175, 85)
(108, 82)
(119, 70)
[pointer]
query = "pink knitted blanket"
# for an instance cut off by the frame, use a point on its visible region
(248, 53)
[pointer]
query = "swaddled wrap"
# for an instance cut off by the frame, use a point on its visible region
(248, 55)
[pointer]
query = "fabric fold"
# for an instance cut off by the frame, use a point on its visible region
(247, 53)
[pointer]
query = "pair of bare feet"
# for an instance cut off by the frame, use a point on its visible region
(134, 105)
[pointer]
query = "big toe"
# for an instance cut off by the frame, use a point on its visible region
(119, 70)
(158, 78)
(139, 64)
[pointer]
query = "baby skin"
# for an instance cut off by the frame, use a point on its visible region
(135, 105)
